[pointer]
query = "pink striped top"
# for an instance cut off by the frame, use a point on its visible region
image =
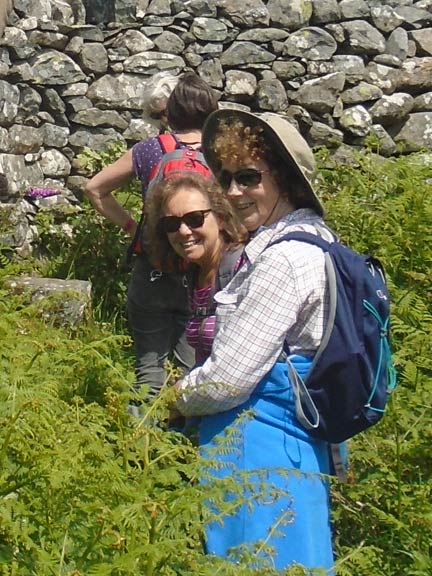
(200, 328)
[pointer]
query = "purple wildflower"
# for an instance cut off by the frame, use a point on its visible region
(35, 193)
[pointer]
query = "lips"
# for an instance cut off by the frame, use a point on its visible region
(189, 244)
(244, 205)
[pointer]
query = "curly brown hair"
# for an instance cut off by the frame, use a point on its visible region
(236, 144)
(161, 250)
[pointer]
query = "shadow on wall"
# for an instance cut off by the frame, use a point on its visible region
(99, 11)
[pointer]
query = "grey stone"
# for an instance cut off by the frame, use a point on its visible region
(423, 103)
(24, 139)
(133, 41)
(52, 102)
(414, 16)
(9, 100)
(72, 297)
(325, 11)
(364, 38)
(125, 91)
(17, 42)
(261, 35)
(311, 43)
(387, 60)
(290, 15)
(416, 133)
(74, 46)
(319, 95)
(209, 30)
(77, 89)
(117, 54)
(54, 68)
(152, 62)
(49, 39)
(169, 42)
(54, 136)
(94, 58)
(29, 102)
(352, 9)
(245, 52)
(423, 41)
(54, 163)
(95, 138)
(382, 76)
(240, 84)
(352, 66)
(337, 31)
(245, 14)
(391, 109)
(62, 12)
(288, 70)
(322, 135)
(356, 121)
(385, 145)
(363, 92)
(271, 95)
(211, 71)
(96, 117)
(140, 129)
(385, 18)
(159, 8)
(21, 174)
(78, 103)
(416, 75)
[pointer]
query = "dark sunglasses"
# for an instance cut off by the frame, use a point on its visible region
(193, 220)
(244, 177)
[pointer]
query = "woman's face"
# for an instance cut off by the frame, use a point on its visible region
(202, 244)
(256, 204)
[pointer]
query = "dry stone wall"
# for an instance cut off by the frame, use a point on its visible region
(73, 73)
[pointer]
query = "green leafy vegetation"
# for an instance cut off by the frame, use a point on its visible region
(85, 489)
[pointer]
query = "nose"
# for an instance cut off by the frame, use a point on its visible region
(234, 190)
(184, 229)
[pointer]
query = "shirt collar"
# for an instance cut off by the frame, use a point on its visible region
(265, 235)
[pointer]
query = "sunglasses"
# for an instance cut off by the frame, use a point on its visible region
(195, 219)
(244, 177)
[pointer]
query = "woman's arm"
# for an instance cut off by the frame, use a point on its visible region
(99, 191)
(282, 296)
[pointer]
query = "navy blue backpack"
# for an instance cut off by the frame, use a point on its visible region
(352, 373)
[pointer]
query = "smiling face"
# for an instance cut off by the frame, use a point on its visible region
(201, 245)
(257, 204)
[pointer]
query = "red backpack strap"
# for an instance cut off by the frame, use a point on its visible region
(168, 143)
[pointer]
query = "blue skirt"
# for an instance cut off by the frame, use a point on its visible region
(281, 456)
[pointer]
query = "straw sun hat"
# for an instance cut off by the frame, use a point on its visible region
(280, 135)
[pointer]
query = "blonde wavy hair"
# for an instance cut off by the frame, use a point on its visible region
(237, 144)
(160, 248)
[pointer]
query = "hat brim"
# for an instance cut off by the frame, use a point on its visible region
(272, 126)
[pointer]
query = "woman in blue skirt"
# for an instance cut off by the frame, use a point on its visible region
(270, 316)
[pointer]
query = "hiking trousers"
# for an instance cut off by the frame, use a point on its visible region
(158, 310)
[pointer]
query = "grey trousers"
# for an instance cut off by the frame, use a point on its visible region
(158, 311)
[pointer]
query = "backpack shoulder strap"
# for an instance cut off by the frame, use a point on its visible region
(227, 267)
(168, 142)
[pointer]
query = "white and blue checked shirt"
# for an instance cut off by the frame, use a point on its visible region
(279, 294)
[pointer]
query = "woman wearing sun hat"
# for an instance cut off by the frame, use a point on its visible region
(275, 307)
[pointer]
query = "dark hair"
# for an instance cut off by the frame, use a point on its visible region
(189, 104)
(160, 248)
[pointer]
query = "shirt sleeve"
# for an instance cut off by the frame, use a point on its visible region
(250, 339)
(145, 156)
